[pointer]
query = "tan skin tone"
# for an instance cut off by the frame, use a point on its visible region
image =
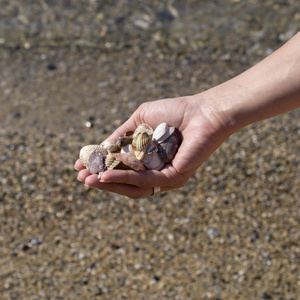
(206, 120)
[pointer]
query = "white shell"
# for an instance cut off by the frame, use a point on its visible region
(160, 130)
(159, 136)
(153, 161)
(86, 152)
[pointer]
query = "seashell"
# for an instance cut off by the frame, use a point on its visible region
(143, 128)
(96, 162)
(160, 130)
(130, 161)
(139, 154)
(86, 152)
(153, 161)
(141, 141)
(162, 133)
(124, 141)
(152, 147)
(168, 148)
(111, 146)
(129, 133)
(128, 149)
(111, 162)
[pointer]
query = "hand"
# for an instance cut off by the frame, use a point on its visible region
(206, 120)
(203, 129)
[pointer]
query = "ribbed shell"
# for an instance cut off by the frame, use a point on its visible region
(141, 141)
(143, 128)
(111, 162)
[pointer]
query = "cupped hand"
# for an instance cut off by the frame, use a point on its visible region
(202, 128)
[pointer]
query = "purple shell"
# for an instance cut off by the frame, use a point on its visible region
(96, 162)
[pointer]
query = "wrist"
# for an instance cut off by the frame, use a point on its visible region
(219, 106)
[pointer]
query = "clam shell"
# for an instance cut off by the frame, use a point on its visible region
(168, 148)
(141, 141)
(160, 131)
(86, 152)
(143, 128)
(160, 136)
(96, 162)
(153, 161)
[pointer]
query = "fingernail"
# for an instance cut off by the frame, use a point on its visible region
(86, 185)
(105, 181)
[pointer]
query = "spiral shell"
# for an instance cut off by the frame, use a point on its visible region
(111, 162)
(86, 152)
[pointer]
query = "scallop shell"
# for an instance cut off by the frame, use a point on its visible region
(143, 128)
(141, 141)
(86, 152)
(153, 161)
(168, 148)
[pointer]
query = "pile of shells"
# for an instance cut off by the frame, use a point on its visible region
(139, 150)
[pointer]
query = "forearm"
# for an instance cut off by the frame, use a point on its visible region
(270, 88)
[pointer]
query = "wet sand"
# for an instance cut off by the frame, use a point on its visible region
(232, 232)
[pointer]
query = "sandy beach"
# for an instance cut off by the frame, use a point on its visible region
(70, 73)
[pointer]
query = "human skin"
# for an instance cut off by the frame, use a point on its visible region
(206, 120)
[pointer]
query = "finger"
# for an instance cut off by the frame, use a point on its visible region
(131, 191)
(83, 174)
(78, 165)
(167, 179)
